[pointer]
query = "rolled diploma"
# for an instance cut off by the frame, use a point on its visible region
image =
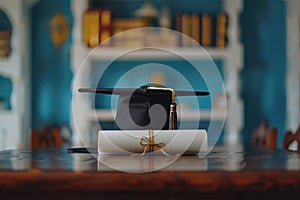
(128, 141)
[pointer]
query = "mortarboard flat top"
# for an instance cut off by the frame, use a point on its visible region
(134, 104)
(128, 91)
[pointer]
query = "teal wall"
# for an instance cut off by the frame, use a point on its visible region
(263, 90)
(5, 92)
(139, 73)
(5, 83)
(52, 75)
(263, 77)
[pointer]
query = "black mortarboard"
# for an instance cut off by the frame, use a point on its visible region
(134, 106)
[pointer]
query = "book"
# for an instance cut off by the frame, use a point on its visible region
(206, 30)
(124, 24)
(135, 38)
(221, 30)
(185, 29)
(178, 25)
(178, 22)
(105, 32)
(96, 26)
(195, 27)
(91, 28)
(162, 38)
(5, 43)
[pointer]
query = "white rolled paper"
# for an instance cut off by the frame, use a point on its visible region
(175, 141)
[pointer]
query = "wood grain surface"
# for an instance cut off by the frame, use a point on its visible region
(257, 174)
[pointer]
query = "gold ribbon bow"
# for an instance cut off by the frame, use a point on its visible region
(149, 145)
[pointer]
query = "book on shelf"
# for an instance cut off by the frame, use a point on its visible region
(207, 29)
(96, 26)
(195, 27)
(124, 24)
(5, 43)
(129, 39)
(221, 30)
(162, 38)
(105, 25)
(185, 29)
(178, 25)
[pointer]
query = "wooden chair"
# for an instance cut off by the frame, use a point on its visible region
(265, 136)
(290, 137)
(48, 136)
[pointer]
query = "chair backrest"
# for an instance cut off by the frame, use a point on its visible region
(271, 138)
(48, 136)
(290, 137)
(265, 136)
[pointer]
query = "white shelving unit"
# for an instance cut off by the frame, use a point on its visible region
(186, 52)
(14, 123)
(232, 57)
(293, 64)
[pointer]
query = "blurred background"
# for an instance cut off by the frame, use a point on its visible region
(254, 43)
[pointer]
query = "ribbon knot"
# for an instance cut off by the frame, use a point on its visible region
(149, 145)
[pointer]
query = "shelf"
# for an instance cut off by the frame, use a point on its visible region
(9, 67)
(105, 53)
(5, 112)
(188, 115)
(7, 117)
(15, 123)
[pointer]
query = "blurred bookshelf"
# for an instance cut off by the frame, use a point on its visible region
(186, 52)
(14, 66)
(293, 66)
(230, 52)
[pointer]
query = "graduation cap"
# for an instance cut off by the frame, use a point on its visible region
(141, 108)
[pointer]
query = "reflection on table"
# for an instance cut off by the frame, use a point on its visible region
(220, 158)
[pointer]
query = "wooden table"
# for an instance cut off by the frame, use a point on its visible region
(224, 173)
